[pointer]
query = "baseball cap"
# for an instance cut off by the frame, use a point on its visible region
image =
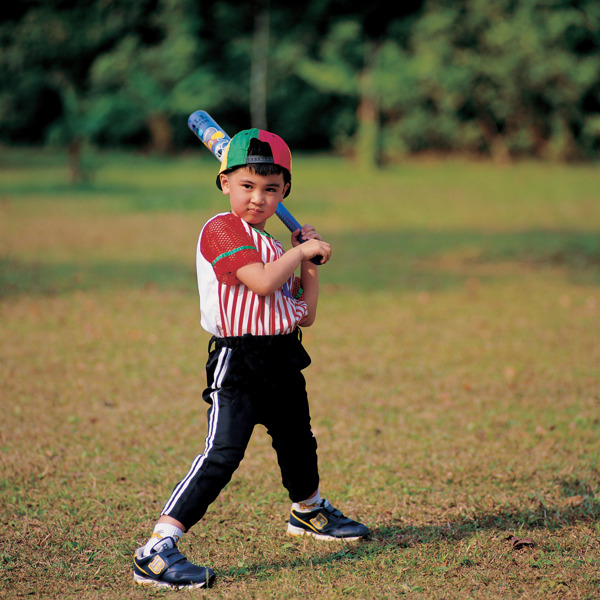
(236, 153)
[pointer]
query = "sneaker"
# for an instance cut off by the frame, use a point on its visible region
(166, 567)
(325, 523)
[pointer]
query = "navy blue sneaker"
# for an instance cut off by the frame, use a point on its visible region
(325, 523)
(166, 567)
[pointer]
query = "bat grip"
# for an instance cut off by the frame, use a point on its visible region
(286, 217)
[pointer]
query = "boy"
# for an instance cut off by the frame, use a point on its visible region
(252, 303)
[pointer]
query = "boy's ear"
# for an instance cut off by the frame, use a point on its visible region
(224, 183)
(286, 188)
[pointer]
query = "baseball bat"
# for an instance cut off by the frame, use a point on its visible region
(216, 140)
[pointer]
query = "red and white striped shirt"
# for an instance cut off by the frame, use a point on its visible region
(227, 306)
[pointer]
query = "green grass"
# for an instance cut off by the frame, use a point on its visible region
(455, 384)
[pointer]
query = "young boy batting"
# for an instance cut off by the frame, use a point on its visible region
(253, 304)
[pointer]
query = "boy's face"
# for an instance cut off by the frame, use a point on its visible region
(253, 198)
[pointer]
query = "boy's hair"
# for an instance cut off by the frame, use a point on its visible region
(262, 152)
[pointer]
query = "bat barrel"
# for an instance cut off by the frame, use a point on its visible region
(209, 132)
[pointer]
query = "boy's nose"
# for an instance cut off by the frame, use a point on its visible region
(258, 197)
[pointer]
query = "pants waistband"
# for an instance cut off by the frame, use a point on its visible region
(267, 341)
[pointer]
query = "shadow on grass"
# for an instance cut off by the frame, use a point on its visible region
(549, 518)
(54, 279)
(579, 505)
(401, 260)
(390, 538)
(421, 259)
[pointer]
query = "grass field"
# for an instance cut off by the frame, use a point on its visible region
(455, 383)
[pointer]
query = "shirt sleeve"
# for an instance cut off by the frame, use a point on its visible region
(227, 246)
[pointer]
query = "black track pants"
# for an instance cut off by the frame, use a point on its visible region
(251, 380)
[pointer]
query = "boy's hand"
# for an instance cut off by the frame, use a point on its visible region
(313, 244)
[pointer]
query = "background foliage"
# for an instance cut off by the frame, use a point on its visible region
(508, 78)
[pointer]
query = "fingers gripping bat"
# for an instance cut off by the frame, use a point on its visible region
(216, 140)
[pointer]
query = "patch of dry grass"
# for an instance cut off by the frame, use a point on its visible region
(455, 393)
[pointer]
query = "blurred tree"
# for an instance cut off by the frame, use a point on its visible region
(47, 50)
(512, 77)
(256, 47)
(149, 78)
(344, 66)
(349, 61)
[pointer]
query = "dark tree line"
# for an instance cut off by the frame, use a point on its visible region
(374, 80)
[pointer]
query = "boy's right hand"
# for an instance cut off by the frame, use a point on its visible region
(315, 247)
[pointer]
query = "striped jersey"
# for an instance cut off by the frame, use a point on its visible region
(227, 306)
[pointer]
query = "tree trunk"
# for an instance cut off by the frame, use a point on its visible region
(74, 160)
(161, 134)
(259, 66)
(368, 136)
(498, 150)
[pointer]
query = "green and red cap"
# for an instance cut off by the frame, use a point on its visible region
(236, 153)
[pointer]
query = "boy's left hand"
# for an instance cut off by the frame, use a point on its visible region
(307, 233)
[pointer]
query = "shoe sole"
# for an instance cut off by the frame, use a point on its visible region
(165, 585)
(298, 531)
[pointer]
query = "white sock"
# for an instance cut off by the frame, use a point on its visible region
(162, 530)
(308, 504)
